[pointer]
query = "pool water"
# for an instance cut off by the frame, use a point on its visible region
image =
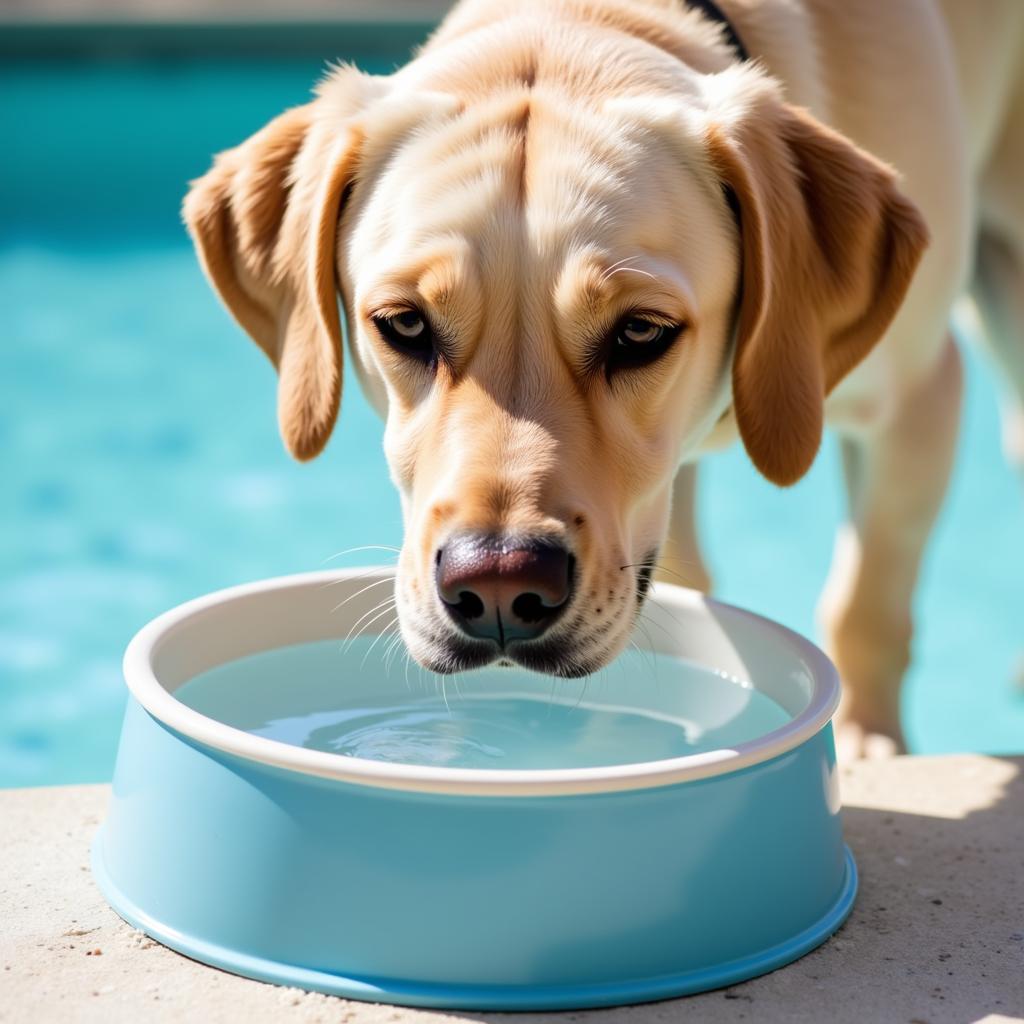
(356, 699)
(140, 462)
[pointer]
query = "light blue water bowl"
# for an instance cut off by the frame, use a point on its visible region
(286, 809)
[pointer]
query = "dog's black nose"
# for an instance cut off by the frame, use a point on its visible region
(503, 588)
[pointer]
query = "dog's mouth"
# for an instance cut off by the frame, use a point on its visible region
(553, 657)
(573, 650)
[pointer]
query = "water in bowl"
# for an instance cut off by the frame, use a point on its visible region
(352, 701)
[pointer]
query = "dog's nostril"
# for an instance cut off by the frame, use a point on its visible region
(469, 606)
(530, 608)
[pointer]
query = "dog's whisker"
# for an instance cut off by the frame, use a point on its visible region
(342, 604)
(356, 578)
(679, 561)
(665, 557)
(657, 565)
(408, 662)
(387, 604)
(646, 653)
(618, 263)
(391, 643)
(630, 270)
(377, 640)
(395, 658)
(368, 624)
(455, 683)
(369, 586)
(362, 547)
(393, 647)
(654, 601)
(583, 691)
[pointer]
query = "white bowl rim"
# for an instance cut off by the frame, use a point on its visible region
(147, 689)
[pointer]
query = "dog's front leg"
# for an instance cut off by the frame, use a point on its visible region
(896, 479)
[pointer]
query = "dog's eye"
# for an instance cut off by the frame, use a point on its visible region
(408, 325)
(639, 332)
(637, 341)
(408, 332)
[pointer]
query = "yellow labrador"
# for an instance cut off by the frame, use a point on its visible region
(577, 243)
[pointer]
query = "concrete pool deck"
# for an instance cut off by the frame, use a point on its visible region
(937, 934)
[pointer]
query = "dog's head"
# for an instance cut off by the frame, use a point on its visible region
(553, 298)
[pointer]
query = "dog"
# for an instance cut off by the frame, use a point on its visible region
(578, 243)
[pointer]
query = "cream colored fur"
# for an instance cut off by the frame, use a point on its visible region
(543, 168)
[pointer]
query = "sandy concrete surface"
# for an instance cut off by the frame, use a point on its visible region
(937, 934)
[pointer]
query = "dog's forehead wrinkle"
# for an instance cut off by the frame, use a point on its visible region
(514, 145)
(521, 205)
(451, 180)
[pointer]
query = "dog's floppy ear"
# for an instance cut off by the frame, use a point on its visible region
(264, 221)
(828, 249)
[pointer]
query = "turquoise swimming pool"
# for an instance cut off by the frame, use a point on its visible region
(139, 454)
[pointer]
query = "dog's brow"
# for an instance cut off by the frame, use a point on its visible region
(583, 284)
(589, 286)
(440, 280)
(435, 280)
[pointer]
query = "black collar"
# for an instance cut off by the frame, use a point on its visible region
(712, 11)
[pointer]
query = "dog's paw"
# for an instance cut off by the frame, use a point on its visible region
(855, 740)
